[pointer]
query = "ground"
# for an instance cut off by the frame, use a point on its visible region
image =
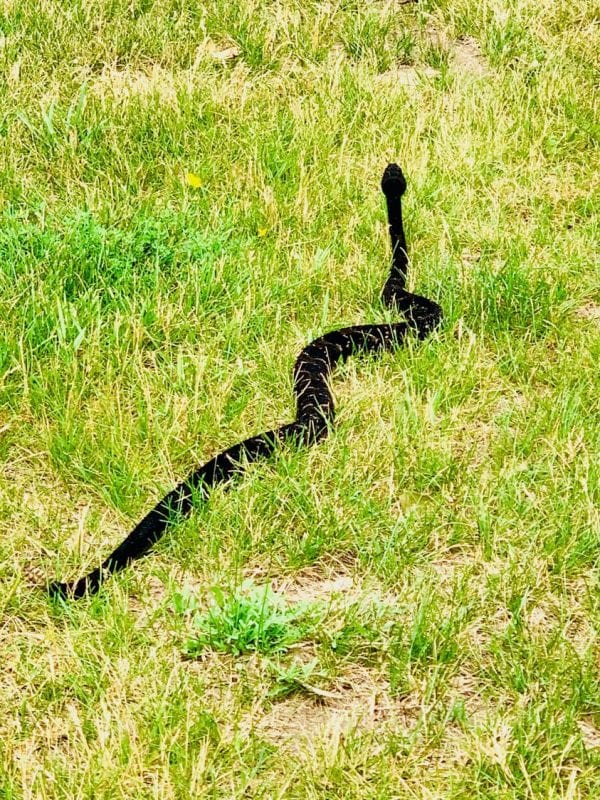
(189, 192)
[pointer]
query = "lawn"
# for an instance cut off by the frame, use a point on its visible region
(189, 193)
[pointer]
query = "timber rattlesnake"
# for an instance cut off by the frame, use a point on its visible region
(315, 409)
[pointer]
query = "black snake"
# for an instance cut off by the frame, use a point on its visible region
(315, 408)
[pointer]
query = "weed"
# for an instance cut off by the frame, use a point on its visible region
(249, 619)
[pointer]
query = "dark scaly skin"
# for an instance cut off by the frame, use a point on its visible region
(315, 410)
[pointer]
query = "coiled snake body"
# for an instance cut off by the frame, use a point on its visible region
(315, 408)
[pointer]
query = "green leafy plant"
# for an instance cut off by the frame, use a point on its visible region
(249, 619)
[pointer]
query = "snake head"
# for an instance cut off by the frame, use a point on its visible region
(393, 182)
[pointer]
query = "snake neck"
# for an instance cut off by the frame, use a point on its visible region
(393, 185)
(421, 314)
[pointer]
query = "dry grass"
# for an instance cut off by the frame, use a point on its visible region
(445, 538)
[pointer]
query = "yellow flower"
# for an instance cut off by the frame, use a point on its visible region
(262, 231)
(193, 180)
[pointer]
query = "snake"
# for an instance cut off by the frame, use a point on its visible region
(315, 411)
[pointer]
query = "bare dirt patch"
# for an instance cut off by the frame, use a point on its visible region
(590, 312)
(451, 562)
(464, 57)
(145, 604)
(359, 701)
(466, 687)
(404, 77)
(589, 734)
(468, 58)
(318, 582)
(464, 54)
(329, 581)
(222, 51)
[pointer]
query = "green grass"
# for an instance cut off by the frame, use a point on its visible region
(253, 619)
(446, 536)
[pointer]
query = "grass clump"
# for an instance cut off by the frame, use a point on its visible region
(250, 619)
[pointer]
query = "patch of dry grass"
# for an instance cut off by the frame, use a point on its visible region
(448, 530)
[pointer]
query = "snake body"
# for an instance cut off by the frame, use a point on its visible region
(314, 401)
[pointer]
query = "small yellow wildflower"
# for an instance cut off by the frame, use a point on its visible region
(193, 180)
(262, 232)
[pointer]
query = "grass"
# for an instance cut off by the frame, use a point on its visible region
(253, 619)
(448, 531)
